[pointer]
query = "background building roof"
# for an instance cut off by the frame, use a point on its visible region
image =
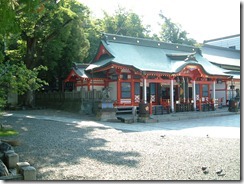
(220, 55)
(232, 42)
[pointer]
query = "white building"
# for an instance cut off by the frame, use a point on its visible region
(232, 42)
(225, 53)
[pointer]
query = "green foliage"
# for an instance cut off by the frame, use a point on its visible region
(93, 32)
(16, 78)
(172, 33)
(10, 8)
(122, 22)
(125, 23)
(7, 14)
(49, 34)
(7, 132)
(68, 42)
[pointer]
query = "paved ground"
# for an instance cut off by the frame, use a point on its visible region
(223, 126)
(68, 146)
(219, 126)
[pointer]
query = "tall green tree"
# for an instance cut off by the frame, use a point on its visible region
(47, 25)
(67, 44)
(10, 8)
(122, 22)
(46, 33)
(125, 23)
(93, 31)
(173, 33)
(54, 36)
(15, 77)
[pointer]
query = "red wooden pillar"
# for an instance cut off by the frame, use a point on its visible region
(118, 88)
(209, 92)
(150, 107)
(226, 92)
(132, 92)
(157, 95)
(132, 89)
(200, 104)
(106, 81)
(172, 93)
(88, 84)
(200, 92)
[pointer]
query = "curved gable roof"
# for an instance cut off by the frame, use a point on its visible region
(149, 55)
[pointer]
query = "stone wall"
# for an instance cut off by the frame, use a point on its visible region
(11, 168)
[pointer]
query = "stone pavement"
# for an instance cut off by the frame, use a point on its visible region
(194, 115)
(219, 123)
(218, 126)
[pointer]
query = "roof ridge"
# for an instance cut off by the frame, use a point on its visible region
(220, 48)
(220, 38)
(108, 37)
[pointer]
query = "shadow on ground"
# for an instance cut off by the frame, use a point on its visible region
(50, 143)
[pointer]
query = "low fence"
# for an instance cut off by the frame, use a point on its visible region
(71, 101)
(70, 95)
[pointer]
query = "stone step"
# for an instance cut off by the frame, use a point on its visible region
(177, 116)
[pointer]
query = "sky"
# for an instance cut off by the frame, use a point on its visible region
(202, 19)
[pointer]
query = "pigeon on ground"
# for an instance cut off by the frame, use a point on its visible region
(204, 168)
(219, 171)
(206, 171)
(163, 136)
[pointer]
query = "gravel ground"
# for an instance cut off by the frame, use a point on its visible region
(92, 151)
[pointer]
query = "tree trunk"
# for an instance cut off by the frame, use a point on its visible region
(30, 52)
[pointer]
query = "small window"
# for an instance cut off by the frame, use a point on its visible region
(125, 90)
(124, 76)
(232, 47)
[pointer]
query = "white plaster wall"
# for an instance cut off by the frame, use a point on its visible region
(219, 91)
(98, 88)
(85, 88)
(78, 88)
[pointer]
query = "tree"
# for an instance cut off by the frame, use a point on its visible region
(54, 37)
(173, 33)
(122, 22)
(125, 23)
(8, 11)
(45, 33)
(93, 30)
(69, 43)
(14, 76)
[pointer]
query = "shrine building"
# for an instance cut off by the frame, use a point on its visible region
(146, 71)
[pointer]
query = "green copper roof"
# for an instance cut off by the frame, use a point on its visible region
(149, 55)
